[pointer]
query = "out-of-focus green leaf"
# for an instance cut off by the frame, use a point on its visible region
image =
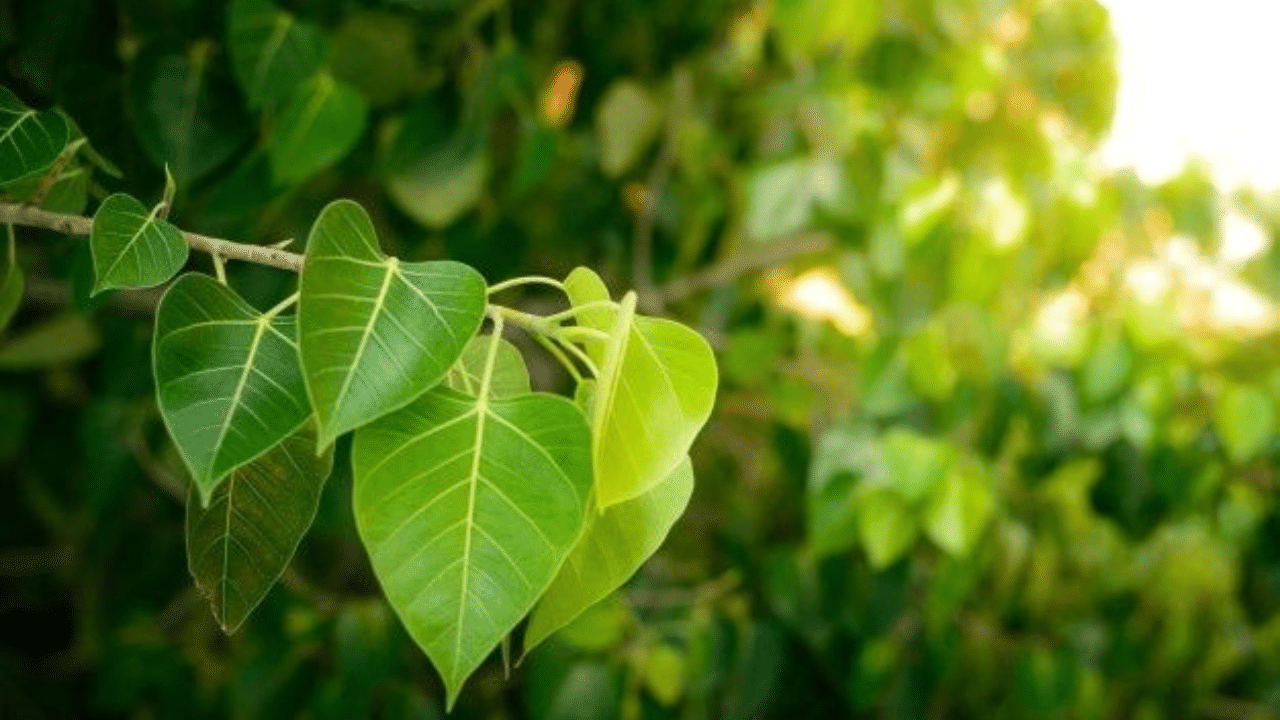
(272, 51)
(11, 279)
(374, 52)
(649, 368)
(538, 145)
(186, 112)
(929, 364)
(375, 332)
(627, 121)
(886, 526)
(30, 140)
(69, 193)
(664, 674)
(64, 340)
(924, 205)
(1107, 368)
(468, 507)
(600, 627)
(843, 459)
(133, 247)
(240, 543)
(442, 183)
(916, 464)
(227, 378)
(510, 374)
(959, 512)
(1245, 420)
(317, 127)
(615, 543)
(781, 199)
(808, 27)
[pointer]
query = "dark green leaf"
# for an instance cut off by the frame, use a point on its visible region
(240, 544)
(30, 140)
(227, 378)
(133, 247)
(317, 127)
(64, 340)
(272, 51)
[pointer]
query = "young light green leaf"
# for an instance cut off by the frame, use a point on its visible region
(614, 545)
(441, 184)
(627, 121)
(467, 507)
(316, 128)
(650, 368)
(887, 527)
(30, 140)
(11, 278)
(240, 544)
(375, 332)
(510, 374)
(227, 378)
(133, 247)
(186, 111)
(958, 513)
(1245, 420)
(272, 51)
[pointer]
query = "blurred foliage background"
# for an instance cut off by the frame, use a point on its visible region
(997, 431)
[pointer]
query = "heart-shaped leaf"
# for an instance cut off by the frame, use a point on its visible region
(317, 127)
(656, 388)
(30, 141)
(614, 545)
(133, 247)
(272, 51)
(376, 332)
(11, 279)
(238, 546)
(227, 378)
(468, 506)
(510, 374)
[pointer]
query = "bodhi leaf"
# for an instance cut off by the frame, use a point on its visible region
(227, 378)
(510, 374)
(30, 141)
(316, 128)
(11, 279)
(272, 52)
(239, 545)
(650, 369)
(64, 340)
(467, 507)
(375, 332)
(133, 247)
(614, 545)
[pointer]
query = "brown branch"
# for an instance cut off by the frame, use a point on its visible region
(735, 266)
(29, 216)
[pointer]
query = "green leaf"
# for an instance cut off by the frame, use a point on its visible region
(240, 544)
(441, 184)
(11, 278)
(30, 140)
(957, 515)
(886, 526)
(510, 374)
(844, 460)
(614, 545)
(317, 127)
(917, 464)
(782, 198)
(64, 340)
(375, 332)
(808, 27)
(227, 378)
(664, 674)
(650, 368)
(186, 112)
(1245, 419)
(272, 52)
(133, 247)
(627, 121)
(468, 507)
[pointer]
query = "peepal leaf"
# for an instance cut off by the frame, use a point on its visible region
(510, 374)
(227, 378)
(272, 51)
(133, 247)
(240, 544)
(656, 389)
(375, 332)
(468, 506)
(11, 279)
(614, 545)
(316, 128)
(30, 140)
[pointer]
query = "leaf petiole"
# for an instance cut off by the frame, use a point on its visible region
(526, 280)
(282, 306)
(573, 311)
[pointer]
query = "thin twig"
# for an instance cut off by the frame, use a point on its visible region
(77, 225)
(735, 266)
(642, 239)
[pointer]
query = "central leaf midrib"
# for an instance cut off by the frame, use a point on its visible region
(147, 222)
(378, 304)
(235, 397)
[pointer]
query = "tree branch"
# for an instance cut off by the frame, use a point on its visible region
(29, 216)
